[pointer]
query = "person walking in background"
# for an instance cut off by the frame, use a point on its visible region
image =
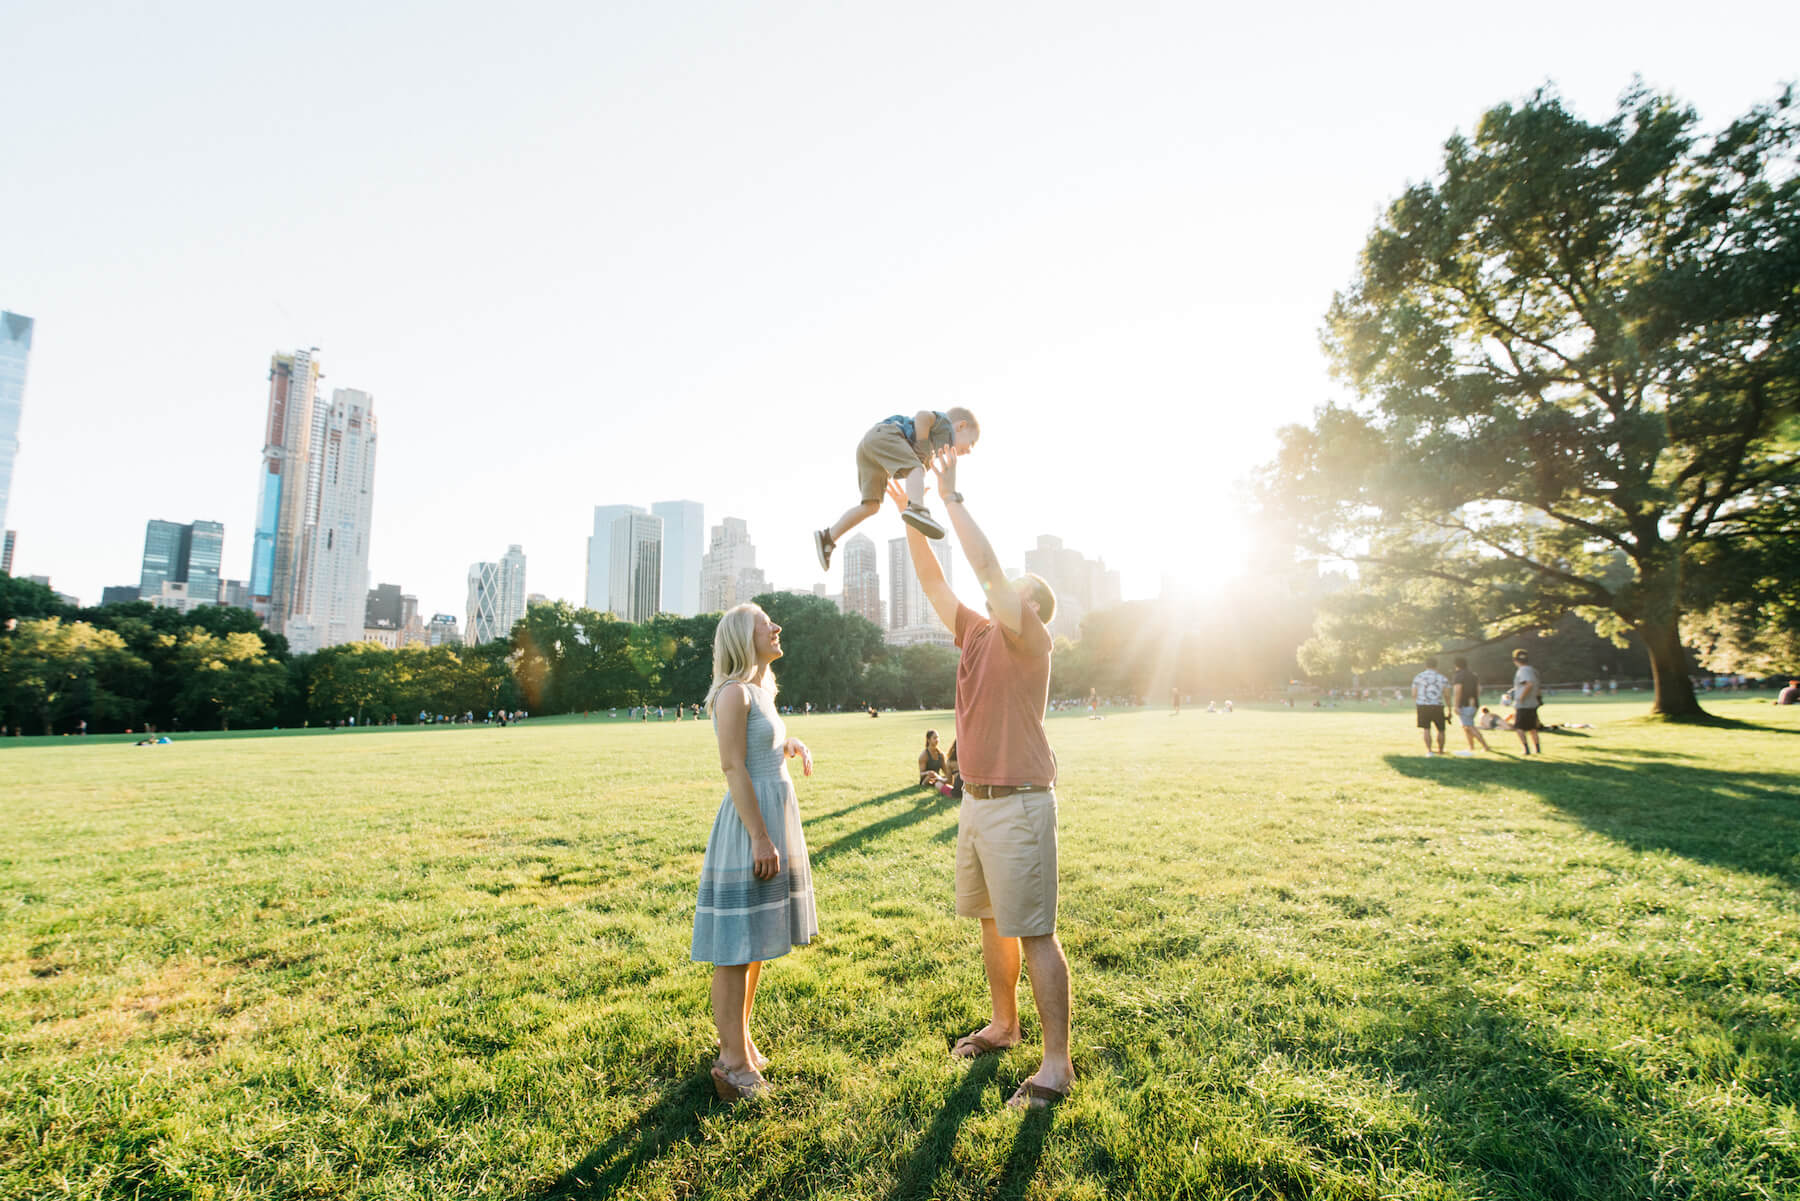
(756, 898)
(1006, 840)
(1428, 703)
(1527, 696)
(1465, 697)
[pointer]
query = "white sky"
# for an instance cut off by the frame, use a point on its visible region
(594, 253)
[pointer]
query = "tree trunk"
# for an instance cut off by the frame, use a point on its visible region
(1668, 668)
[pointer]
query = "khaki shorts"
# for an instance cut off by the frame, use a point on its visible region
(883, 454)
(1006, 862)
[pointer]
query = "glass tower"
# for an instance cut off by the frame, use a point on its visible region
(15, 348)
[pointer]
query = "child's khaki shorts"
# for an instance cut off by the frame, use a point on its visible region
(1006, 862)
(883, 453)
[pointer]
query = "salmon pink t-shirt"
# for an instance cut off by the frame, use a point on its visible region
(1002, 686)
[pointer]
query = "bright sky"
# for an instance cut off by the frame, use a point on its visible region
(590, 253)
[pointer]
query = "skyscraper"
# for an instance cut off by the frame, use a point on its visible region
(1082, 585)
(6, 551)
(728, 571)
(331, 578)
(908, 610)
(496, 597)
(599, 556)
(683, 544)
(635, 577)
(15, 349)
(182, 554)
(162, 556)
(281, 486)
(862, 582)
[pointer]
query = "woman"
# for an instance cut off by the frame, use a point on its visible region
(756, 899)
(932, 768)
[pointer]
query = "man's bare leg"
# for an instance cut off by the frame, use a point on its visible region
(1000, 956)
(1050, 990)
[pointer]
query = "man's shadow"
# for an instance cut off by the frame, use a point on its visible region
(1746, 820)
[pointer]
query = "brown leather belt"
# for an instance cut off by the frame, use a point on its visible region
(988, 792)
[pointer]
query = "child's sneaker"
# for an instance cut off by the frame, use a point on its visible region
(920, 519)
(824, 545)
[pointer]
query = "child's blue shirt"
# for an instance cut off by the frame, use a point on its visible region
(941, 429)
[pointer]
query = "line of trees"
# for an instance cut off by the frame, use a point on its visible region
(138, 667)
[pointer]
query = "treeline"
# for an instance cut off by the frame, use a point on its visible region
(138, 667)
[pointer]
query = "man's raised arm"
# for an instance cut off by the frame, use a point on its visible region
(926, 566)
(1002, 601)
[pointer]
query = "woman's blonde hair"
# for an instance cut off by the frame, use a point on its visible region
(734, 651)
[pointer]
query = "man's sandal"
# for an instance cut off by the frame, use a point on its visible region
(978, 1046)
(1032, 1095)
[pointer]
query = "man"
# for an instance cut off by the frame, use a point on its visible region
(1527, 696)
(1428, 703)
(1465, 689)
(1789, 695)
(1006, 828)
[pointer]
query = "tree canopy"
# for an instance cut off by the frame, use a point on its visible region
(1575, 358)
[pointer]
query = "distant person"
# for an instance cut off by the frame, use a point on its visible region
(1527, 697)
(953, 785)
(756, 898)
(933, 769)
(1465, 698)
(1428, 703)
(1174, 702)
(899, 448)
(1488, 720)
(1094, 704)
(1789, 695)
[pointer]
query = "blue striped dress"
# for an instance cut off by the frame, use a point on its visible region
(738, 918)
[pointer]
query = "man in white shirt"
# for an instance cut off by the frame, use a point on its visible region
(1428, 701)
(1527, 696)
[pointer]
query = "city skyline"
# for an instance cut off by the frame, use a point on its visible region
(707, 269)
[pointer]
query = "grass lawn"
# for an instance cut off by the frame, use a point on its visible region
(1308, 962)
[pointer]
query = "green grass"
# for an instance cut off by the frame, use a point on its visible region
(1308, 962)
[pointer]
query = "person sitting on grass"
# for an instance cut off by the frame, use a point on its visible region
(952, 785)
(899, 448)
(932, 768)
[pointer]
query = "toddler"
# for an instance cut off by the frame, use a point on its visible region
(899, 448)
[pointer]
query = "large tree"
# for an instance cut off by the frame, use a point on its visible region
(1575, 355)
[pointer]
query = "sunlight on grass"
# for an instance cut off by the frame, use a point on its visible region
(1308, 961)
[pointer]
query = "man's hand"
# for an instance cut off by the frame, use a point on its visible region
(794, 746)
(897, 493)
(944, 466)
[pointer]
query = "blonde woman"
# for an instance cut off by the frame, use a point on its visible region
(756, 899)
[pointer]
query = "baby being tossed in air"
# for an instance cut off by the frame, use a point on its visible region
(900, 448)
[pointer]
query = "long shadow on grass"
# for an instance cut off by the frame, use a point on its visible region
(930, 807)
(1528, 1115)
(1746, 820)
(931, 1153)
(672, 1118)
(883, 799)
